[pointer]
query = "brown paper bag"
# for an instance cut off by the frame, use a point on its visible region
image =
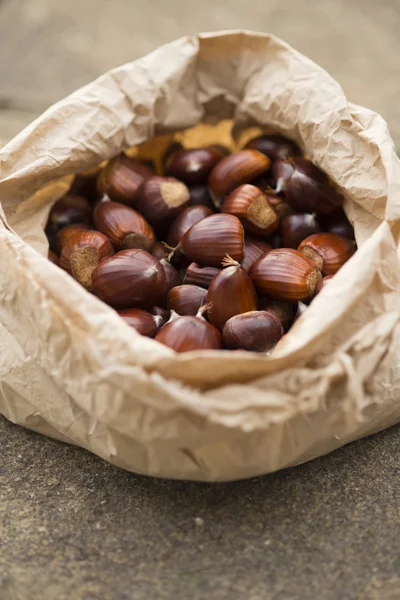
(70, 367)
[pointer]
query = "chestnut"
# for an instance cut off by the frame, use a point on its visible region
(199, 195)
(328, 251)
(197, 275)
(183, 222)
(235, 170)
(141, 320)
(69, 209)
(255, 331)
(231, 292)
(192, 166)
(274, 146)
(186, 299)
(305, 187)
(187, 333)
(162, 198)
(285, 274)
(125, 227)
(130, 278)
(121, 177)
(295, 228)
(209, 240)
(253, 249)
(65, 233)
(250, 205)
(83, 252)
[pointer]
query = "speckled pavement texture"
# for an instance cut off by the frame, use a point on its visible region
(73, 527)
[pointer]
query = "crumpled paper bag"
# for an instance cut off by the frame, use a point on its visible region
(70, 367)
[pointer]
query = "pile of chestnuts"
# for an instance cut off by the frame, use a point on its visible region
(223, 251)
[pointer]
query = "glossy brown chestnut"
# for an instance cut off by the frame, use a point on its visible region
(328, 251)
(192, 165)
(295, 228)
(284, 311)
(323, 283)
(337, 222)
(184, 334)
(186, 299)
(231, 292)
(235, 170)
(208, 241)
(199, 195)
(305, 187)
(162, 198)
(83, 252)
(183, 222)
(250, 205)
(141, 320)
(172, 278)
(65, 233)
(159, 250)
(197, 275)
(255, 331)
(121, 178)
(129, 278)
(69, 209)
(253, 249)
(52, 256)
(274, 146)
(285, 274)
(125, 227)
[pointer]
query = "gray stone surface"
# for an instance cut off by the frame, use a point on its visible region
(73, 527)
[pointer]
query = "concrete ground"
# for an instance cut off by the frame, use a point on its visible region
(73, 527)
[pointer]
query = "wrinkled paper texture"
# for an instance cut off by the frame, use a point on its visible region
(70, 367)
